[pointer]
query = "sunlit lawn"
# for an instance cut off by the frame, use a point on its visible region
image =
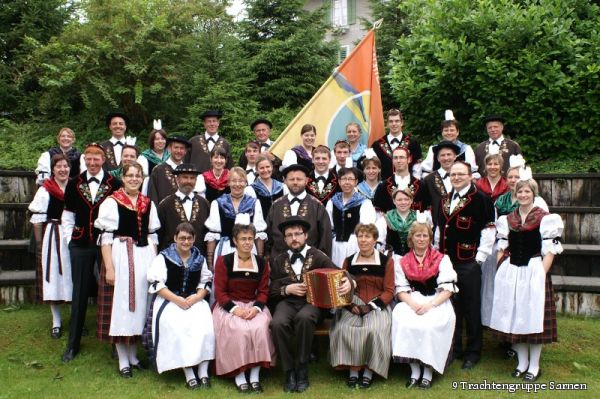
(30, 367)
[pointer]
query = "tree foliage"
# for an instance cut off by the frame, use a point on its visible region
(535, 62)
(289, 59)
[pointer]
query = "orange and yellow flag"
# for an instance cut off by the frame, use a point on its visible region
(350, 94)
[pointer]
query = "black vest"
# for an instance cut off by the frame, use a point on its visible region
(55, 208)
(524, 245)
(267, 201)
(246, 274)
(74, 159)
(427, 288)
(345, 222)
(368, 270)
(212, 193)
(398, 241)
(128, 225)
(180, 280)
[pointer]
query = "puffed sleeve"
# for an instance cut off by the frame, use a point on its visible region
(470, 159)
(551, 229)
(289, 158)
(108, 221)
(157, 274)
(39, 206)
(427, 164)
(200, 187)
(153, 224)
(329, 209)
(145, 183)
(367, 212)
(43, 168)
(249, 190)
(502, 233)
(206, 277)
(213, 223)
(446, 279)
(381, 225)
(540, 203)
(402, 284)
(259, 222)
(142, 160)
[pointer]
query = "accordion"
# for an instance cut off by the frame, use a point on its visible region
(322, 288)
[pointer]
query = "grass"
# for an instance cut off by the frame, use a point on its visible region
(30, 367)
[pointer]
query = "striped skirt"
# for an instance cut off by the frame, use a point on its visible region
(361, 341)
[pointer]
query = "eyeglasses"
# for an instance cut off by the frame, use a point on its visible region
(294, 235)
(185, 238)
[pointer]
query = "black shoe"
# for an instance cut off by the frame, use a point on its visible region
(352, 382)
(56, 332)
(529, 377)
(244, 388)
(256, 387)
(290, 381)
(468, 364)
(518, 373)
(69, 355)
(140, 366)
(302, 379)
(125, 372)
(204, 382)
(412, 383)
(510, 354)
(365, 382)
(192, 384)
(425, 384)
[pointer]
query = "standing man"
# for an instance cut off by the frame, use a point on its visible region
(162, 180)
(117, 123)
(466, 233)
(83, 196)
(401, 179)
(262, 133)
(294, 320)
(322, 181)
(494, 125)
(385, 146)
(203, 144)
(306, 207)
(437, 185)
(183, 206)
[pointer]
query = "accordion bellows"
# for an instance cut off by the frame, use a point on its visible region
(322, 288)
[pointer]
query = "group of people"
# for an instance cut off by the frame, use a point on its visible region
(458, 239)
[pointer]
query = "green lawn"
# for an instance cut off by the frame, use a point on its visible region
(30, 367)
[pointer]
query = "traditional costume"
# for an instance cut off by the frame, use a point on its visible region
(149, 160)
(162, 181)
(265, 196)
(323, 187)
(241, 344)
(465, 153)
(426, 338)
(485, 187)
(394, 230)
(211, 187)
(222, 218)
(130, 230)
(344, 218)
(364, 341)
(180, 338)
(53, 267)
(366, 190)
(506, 148)
(43, 170)
(386, 145)
(202, 145)
(524, 310)
(382, 199)
(297, 155)
(435, 187)
(178, 208)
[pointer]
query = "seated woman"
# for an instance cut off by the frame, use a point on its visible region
(128, 221)
(157, 152)
(423, 322)
(346, 210)
(302, 154)
(65, 139)
(241, 319)
(371, 167)
(214, 182)
(265, 188)
(53, 262)
(396, 223)
(181, 280)
(524, 311)
(493, 184)
(222, 216)
(359, 339)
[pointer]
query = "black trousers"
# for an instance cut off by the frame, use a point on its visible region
(293, 328)
(83, 261)
(467, 306)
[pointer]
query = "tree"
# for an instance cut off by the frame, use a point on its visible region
(23, 26)
(289, 59)
(535, 62)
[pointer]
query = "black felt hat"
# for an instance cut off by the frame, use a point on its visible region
(115, 114)
(445, 144)
(294, 221)
(211, 113)
(494, 118)
(294, 167)
(186, 168)
(261, 120)
(179, 139)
